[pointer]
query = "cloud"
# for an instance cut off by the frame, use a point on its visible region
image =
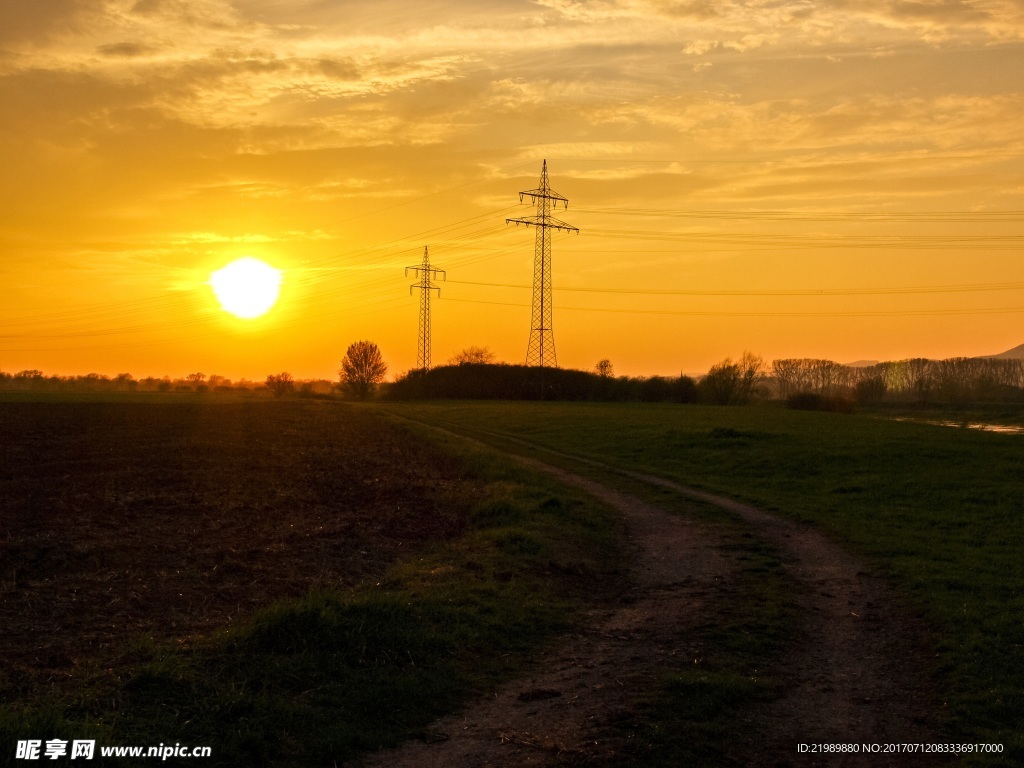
(751, 42)
(241, 79)
(125, 50)
(700, 47)
(702, 10)
(35, 22)
(339, 69)
(209, 14)
(939, 21)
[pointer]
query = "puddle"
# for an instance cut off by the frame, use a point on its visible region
(1008, 429)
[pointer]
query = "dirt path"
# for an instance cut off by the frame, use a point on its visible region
(859, 678)
(855, 679)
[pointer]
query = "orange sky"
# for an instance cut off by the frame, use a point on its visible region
(831, 179)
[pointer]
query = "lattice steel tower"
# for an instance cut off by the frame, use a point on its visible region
(424, 272)
(541, 349)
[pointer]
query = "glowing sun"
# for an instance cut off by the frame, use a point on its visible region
(246, 288)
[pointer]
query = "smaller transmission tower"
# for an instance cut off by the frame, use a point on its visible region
(424, 272)
(541, 349)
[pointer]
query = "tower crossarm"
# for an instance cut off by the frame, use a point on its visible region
(545, 194)
(543, 221)
(421, 287)
(425, 277)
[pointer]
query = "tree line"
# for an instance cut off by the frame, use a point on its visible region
(37, 381)
(362, 370)
(955, 380)
(826, 384)
(501, 381)
(801, 382)
(474, 374)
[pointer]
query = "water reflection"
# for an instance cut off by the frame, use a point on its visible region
(980, 425)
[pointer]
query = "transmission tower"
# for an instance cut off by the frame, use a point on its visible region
(424, 272)
(541, 349)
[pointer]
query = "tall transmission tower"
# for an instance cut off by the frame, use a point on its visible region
(541, 349)
(424, 272)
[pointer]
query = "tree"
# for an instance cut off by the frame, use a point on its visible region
(604, 368)
(870, 389)
(280, 383)
(789, 376)
(729, 383)
(125, 381)
(921, 375)
(362, 369)
(825, 375)
(472, 356)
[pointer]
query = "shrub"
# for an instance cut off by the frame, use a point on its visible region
(812, 401)
(870, 390)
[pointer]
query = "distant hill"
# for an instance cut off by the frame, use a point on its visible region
(1017, 353)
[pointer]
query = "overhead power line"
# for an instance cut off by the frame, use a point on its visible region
(1011, 216)
(965, 288)
(699, 313)
(819, 241)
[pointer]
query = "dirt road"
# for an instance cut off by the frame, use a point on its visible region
(859, 675)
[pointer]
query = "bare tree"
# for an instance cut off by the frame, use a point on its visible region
(826, 375)
(752, 376)
(196, 378)
(604, 368)
(362, 369)
(729, 383)
(921, 377)
(472, 355)
(794, 375)
(280, 383)
(953, 378)
(787, 376)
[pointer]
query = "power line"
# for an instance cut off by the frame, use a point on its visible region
(697, 313)
(1011, 216)
(819, 241)
(965, 288)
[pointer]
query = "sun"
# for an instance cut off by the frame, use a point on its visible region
(246, 287)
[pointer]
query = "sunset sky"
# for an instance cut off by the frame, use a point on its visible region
(798, 179)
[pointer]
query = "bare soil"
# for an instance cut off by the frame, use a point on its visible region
(127, 520)
(859, 675)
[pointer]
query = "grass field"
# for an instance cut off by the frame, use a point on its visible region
(285, 582)
(298, 582)
(940, 510)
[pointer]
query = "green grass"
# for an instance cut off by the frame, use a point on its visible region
(939, 510)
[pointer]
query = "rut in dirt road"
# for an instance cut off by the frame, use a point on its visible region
(855, 676)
